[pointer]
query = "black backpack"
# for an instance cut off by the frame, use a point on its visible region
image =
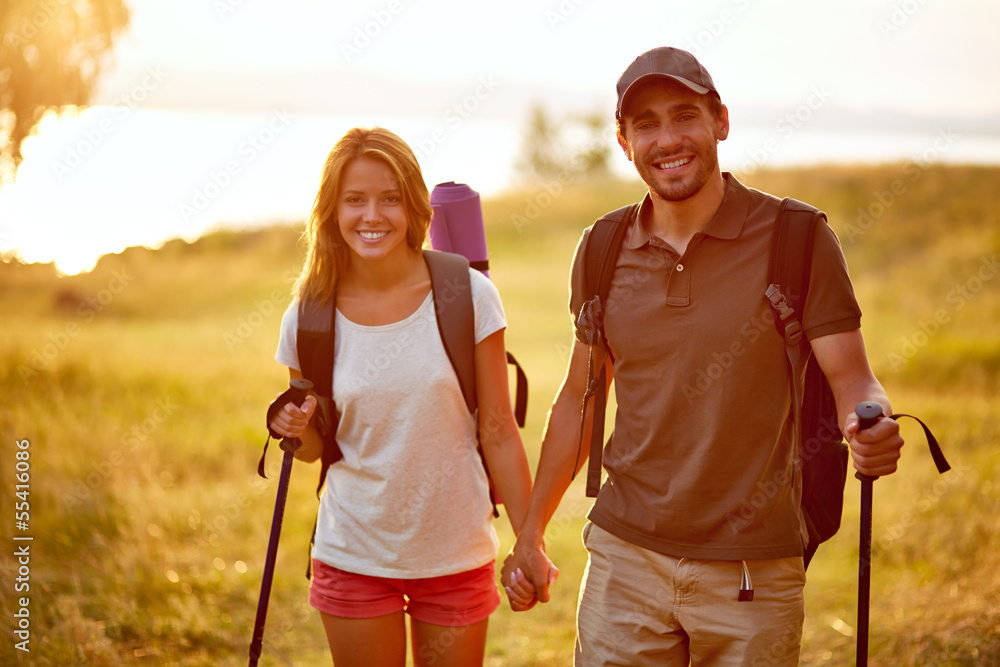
(455, 315)
(822, 451)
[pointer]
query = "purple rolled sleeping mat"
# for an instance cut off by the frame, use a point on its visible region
(457, 223)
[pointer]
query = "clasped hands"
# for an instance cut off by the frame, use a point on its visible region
(526, 576)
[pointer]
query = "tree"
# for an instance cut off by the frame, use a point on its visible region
(578, 147)
(51, 53)
(596, 152)
(541, 151)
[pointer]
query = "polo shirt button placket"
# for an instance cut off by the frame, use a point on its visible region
(678, 286)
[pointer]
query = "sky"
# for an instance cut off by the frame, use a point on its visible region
(925, 55)
(220, 112)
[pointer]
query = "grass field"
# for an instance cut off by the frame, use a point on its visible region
(140, 390)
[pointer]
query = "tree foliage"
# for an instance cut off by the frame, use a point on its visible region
(577, 147)
(51, 53)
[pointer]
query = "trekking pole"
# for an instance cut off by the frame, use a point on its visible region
(868, 413)
(297, 392)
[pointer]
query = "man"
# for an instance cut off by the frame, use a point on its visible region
(666, 559)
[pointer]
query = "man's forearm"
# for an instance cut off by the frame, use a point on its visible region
(560, 444)
(562, 452)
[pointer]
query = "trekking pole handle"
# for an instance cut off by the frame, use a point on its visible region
(868, 413)
(298, 390)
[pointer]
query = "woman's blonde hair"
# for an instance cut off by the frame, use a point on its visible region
(328, 253)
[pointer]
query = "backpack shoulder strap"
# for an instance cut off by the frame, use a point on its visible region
(456, 320)
(315, 344)
(455, 315)
(822, 454)
(790, 259)
(603, 246)
(788, 271)
(600, 256)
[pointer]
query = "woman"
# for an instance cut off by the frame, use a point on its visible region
(405, 519)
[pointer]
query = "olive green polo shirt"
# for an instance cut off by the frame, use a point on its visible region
(701, 463)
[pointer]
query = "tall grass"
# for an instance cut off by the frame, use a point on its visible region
(141, 387)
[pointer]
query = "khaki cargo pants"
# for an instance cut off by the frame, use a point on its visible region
(638, 607)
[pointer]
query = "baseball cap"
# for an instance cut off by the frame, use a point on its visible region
(677, 64)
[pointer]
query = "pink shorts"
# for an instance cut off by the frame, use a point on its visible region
(453, 600)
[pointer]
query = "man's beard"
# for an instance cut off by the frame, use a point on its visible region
(681, 188)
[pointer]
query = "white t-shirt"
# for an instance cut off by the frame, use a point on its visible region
(410, 498)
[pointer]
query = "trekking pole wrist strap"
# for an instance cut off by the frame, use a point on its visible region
(932, 443)
(942, 464)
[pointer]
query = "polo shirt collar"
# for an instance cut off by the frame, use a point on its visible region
(725, 224)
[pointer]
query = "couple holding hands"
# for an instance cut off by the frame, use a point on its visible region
(665, 563)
